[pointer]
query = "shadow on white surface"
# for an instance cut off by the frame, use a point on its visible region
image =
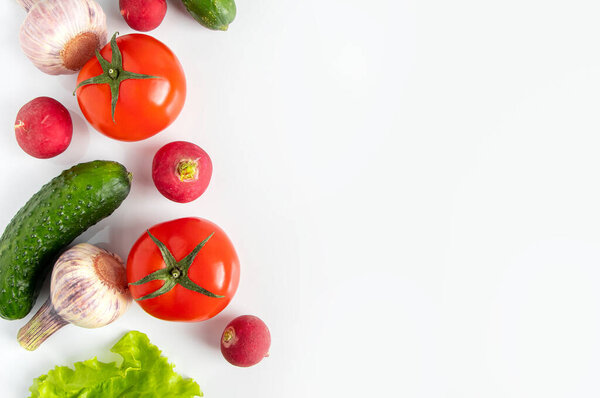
(79, 143)
(210, 331)
(113, 14)
(121, 237)
(138, 160)
(177, 5)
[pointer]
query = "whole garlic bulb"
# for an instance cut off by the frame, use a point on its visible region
(88, 288)
(60, 36)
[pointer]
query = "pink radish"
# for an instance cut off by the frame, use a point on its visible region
(245, 341)
(43, 128)
(181, 171)
(143, 15)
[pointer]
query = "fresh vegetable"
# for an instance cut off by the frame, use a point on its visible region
(142, 373)
(181, 171)
(133, 89)
(143, 15)
(245, 341)
(183, 270)
(213, 14)
(43, 128)
(60, 36)
(65, 207)
(88, 288)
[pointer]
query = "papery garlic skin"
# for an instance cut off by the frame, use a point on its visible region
(88, 287)
(60, 36)
(27, 4)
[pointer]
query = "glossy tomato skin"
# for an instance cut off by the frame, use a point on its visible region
(216, 268)
(145, 106)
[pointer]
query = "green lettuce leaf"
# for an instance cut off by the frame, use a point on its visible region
(144, 373)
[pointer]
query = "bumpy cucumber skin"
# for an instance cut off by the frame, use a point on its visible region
(213, 14)
(58, 213)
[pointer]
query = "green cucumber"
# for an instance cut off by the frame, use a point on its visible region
(213, 14)
(57, 214)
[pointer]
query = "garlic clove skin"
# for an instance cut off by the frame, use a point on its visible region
(60, 36)
(88, 287)
(27, 4)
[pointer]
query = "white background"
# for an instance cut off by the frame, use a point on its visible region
(412, 188)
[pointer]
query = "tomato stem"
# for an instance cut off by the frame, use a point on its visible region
(175, 273)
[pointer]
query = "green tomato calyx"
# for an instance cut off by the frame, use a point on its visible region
(113, 74)
(175, 272)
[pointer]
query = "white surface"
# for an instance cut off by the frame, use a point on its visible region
(412, 187)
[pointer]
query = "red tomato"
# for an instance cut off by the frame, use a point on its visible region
(144, 106)
(215, 269)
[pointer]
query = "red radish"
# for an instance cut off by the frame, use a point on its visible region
(143, 15)
(43, 128)
(181, 171)
(245, 341)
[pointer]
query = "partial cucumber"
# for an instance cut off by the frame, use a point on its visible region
(63, 209)
(214, 14)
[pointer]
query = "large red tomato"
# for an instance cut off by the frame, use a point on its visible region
(134, 91)
(196, 283)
